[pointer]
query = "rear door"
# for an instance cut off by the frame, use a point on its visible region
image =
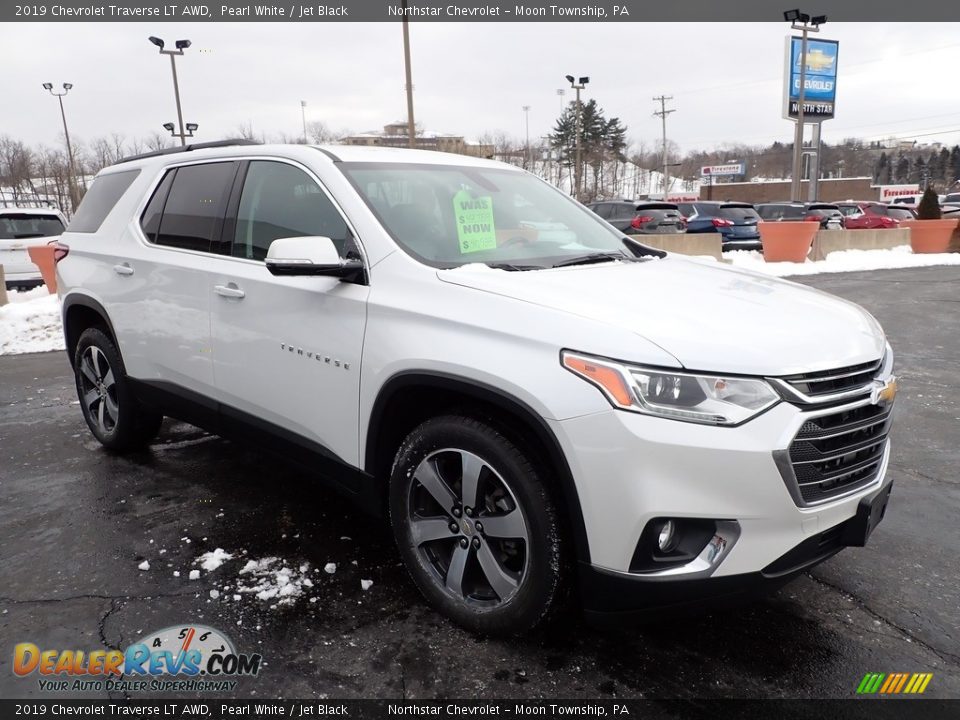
(659, 218)
(286, 350)
(162, 307)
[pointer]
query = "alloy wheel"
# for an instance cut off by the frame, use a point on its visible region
(468, 528)
(99, 389)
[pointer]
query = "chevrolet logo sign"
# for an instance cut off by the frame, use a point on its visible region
(818, 61)
(884, 394)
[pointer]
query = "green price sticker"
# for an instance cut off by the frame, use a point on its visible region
(475, 228)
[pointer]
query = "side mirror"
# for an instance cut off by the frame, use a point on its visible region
(312, 255)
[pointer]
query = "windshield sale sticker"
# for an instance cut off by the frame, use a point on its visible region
(475, 228)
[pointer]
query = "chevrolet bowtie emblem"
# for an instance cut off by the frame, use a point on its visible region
(884, 394)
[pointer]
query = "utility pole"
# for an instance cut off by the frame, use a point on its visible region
(526, 154)
(662, 114)
(411, 125)
(303, 114)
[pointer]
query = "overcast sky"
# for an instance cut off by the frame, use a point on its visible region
(726, 79)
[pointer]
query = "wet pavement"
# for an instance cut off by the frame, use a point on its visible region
(76, 522)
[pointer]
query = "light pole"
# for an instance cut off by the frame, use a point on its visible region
(560, 93)
(181, 45)
(172, 129)
(303, 115)
(805, 24)
(72, 179)
(526, 154)
(411, 125)
(578, 85)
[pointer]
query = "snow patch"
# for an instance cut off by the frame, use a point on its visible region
(145, 565)
(330, 568)
(842, 261)
(30, 323)
(271, 579)
(194, 575)
(366, 584)
(210, 561)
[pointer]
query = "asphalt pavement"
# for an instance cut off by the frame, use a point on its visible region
(76, 522)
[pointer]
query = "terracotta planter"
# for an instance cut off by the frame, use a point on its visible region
(42, 257)
(930, 236)
(787, 241)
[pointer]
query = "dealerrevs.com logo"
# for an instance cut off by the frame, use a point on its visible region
(180, 658)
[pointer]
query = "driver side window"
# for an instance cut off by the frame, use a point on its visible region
(278, 201)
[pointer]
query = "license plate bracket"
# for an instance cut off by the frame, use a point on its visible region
(870, 512)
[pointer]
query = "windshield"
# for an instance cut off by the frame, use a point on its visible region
(24, 225)
(738, 213)
(447, 216)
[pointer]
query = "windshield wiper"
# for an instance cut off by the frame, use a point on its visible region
(513, 267)
(597, 257)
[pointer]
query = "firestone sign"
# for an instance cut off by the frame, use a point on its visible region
(723, 170)
(890, 192)
(820, 81)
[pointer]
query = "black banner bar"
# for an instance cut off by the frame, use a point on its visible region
(867, 708)
(615, 11)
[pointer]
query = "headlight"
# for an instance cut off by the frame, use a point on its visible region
(708, 399)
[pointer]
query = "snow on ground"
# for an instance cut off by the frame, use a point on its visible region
(30, 323)
(210, 561)
(271, 579)
(841, 261)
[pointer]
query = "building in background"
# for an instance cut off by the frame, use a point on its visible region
(395, 135)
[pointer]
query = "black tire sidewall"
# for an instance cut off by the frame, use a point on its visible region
(540, 588)
(129, 429)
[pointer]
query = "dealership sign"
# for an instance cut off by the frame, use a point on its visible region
(820, 81)
(723, 170)
(889, 192)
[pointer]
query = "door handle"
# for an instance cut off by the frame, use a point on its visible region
(124, 269)
(230, 291)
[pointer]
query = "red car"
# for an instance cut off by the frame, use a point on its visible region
(869, 215)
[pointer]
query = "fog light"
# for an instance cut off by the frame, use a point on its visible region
(666, 538)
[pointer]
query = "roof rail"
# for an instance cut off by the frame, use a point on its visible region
(188, 148)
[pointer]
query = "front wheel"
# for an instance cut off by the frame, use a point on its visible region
(112, 412)
(476, 526)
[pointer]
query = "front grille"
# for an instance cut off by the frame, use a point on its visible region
(836, 453)
(828, 382)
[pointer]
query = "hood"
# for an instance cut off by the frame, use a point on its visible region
(707, 316)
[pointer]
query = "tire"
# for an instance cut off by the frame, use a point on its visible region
(499, 568)
(112, 412)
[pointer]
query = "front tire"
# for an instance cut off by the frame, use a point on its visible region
(113, 414)
(476, 526)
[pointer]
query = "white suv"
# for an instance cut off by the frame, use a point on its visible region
(538, 402)
(22, 226)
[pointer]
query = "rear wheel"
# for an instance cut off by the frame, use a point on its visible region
(476, 526)
(112, 412)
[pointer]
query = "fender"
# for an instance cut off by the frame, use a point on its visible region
(502, 400)
(86, 301)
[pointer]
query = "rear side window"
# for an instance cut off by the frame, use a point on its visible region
(278, 201)
(738, 212)
(150, 220)
(686, 209)
(19, 226)
(100, 199)
(193, 213)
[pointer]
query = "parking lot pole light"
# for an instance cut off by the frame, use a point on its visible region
(181, 45)
(411, 125)
(71, 170)
(560, 93)
(578, 85)
(303, 115)
(526, 154)
(801, 22)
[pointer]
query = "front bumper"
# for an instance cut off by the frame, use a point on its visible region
(631, 468)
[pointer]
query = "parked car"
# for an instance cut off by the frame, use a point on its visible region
(911, 200)
(735, 221)
(869, 215)
(827, 214)
(951, 199)
(20, 228)
(523, 409)
(640, 218)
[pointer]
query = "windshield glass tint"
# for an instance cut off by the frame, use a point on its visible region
(448, 216)
(13, 227)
